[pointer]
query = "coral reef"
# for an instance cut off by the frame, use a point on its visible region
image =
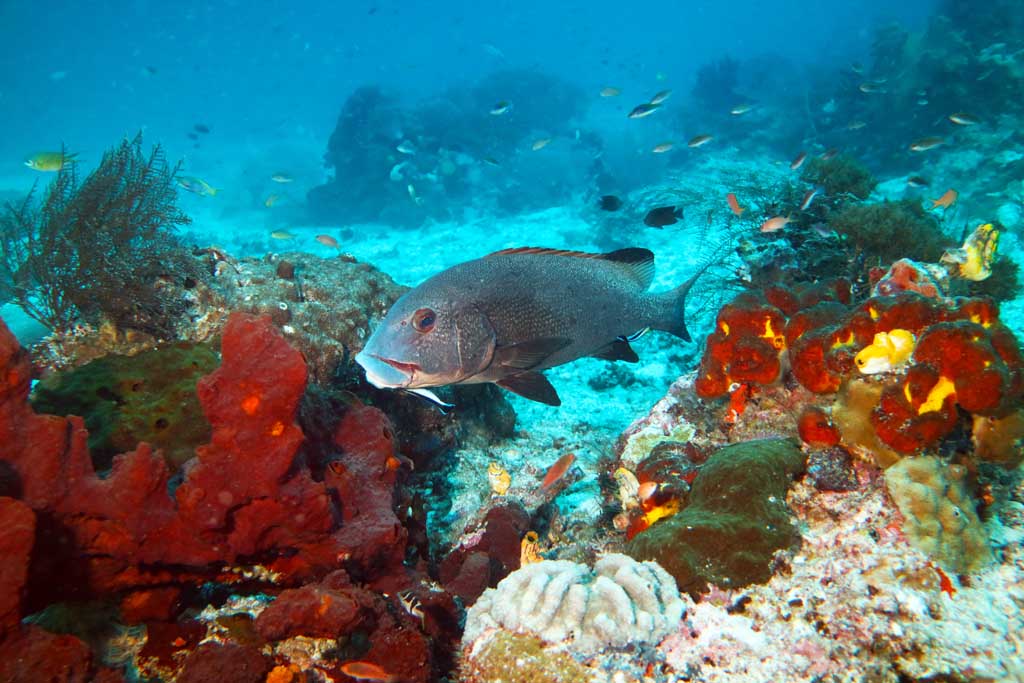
(734, 520)
(964, 357)
(620, 603)
(125, 532)
(104, 247)
(940, 516)
(234, 519)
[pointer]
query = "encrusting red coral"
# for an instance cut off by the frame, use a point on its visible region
(816, 428)
(964, 358)
(743, 348)
(244, 499)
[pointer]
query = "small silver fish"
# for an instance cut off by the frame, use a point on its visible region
(645, 109)
(809, 196)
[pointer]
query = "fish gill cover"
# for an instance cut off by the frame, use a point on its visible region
(266, 411)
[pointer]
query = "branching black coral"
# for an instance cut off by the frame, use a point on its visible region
(102, 247)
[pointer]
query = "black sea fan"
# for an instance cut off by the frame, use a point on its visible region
(104, 247)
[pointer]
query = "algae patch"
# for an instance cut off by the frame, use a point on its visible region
(735, 521)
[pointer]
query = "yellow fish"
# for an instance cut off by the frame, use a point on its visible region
(974, 258)
(271, 200)
(629, 488)
(196, 186)
(499, 478)
(888, 351)
(49, 161)
(529, 551)
(282, 235)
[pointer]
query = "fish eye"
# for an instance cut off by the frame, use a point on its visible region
(423, 320)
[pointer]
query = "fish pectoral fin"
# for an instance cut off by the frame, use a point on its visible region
(529, 354)
(617, 350)
(531, 385)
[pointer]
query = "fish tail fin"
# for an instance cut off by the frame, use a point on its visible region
(674, 306)
(673, 302)
(214, 191)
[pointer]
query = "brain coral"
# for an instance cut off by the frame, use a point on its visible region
(620, 602)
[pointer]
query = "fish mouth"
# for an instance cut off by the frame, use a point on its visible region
(386, 373)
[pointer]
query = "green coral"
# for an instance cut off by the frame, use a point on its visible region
(840, 175)
(735, 521)
(939, 516)
(889, 231)
(516, 658)
(148, 397)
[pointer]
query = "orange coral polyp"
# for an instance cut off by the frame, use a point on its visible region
(250, 404)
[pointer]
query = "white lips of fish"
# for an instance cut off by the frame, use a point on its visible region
(388, 374)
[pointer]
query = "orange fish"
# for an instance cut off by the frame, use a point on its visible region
(646, 490)
(367, 671)
(734, 204)
(327, 241)
(558, 470)
(947, 200)
(776, 224)
(799, 161)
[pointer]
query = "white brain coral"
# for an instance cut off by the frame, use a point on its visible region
(620, 602)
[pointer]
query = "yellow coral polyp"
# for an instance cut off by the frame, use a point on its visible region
(725, 328)
(277, 429)
(843, 341)
(937, 396)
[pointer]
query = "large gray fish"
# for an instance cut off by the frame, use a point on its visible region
(507, 316)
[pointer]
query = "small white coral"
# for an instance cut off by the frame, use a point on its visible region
(620, 602)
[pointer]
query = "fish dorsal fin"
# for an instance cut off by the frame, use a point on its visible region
(636, 261)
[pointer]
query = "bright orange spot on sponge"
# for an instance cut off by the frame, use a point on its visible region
(250, 404)
(277, 429)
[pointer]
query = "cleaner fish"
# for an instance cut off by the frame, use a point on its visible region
(508, 316)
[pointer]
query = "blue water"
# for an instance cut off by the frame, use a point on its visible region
(265, 73)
